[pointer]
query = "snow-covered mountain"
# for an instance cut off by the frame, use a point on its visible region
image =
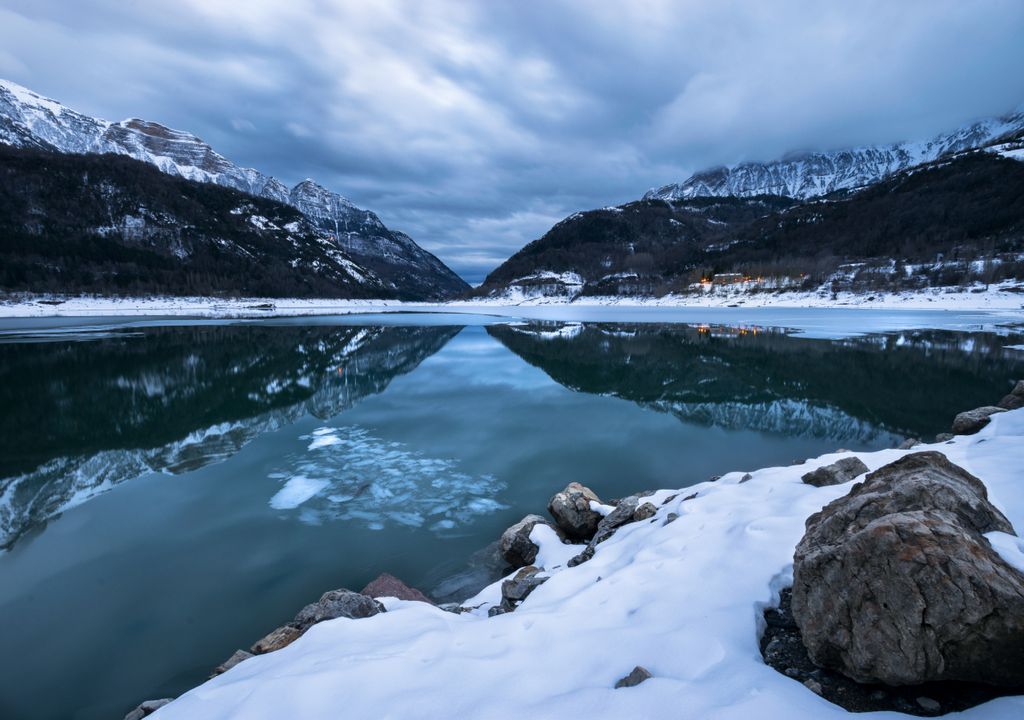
(30, 120)
(806, 175)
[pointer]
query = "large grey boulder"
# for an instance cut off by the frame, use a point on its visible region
(842, 470)
(572, 512)
(335, 604)
(387, 585)
(894, 583)
(971, 421)
(515, 545)
(1015, 400)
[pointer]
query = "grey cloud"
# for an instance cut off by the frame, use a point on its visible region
(475, 126)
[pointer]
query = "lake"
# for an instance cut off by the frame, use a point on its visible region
(171, 490)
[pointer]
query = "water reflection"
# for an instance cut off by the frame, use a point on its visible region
(83, 417)
(859, 391)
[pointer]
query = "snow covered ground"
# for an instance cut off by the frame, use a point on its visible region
(996, 297)
(683, 600)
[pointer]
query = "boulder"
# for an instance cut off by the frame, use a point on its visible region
(283, 636)
(1015, 400)
(146, 709)
(335, 604)
(895, 583)
(636, 676)
(516, 547)
(908, 443)
(971, 421)
(840, 471)
(238, 657)
(944, 437)
(572, 511)
(387, 585)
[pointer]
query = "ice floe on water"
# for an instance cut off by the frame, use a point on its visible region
(347, 473)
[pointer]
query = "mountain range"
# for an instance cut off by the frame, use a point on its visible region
(811, 174)
(399, 266)
(945, 212)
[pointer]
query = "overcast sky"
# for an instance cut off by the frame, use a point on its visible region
(475, 126)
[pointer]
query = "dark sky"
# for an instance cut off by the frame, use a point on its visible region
(475, 126)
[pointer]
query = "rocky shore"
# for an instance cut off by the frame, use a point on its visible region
(905, 592)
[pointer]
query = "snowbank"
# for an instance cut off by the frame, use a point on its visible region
(683, 600)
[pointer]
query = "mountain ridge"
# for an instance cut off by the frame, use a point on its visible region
(807, 174)
(30, 120)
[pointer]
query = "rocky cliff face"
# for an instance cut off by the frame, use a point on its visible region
(806, 175)
(28, 120)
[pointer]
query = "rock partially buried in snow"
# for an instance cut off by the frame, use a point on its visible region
(519, 586)
(1015, 400)
(336, 604)
(276, 639)
(236, 658)
(635, 677)
(387, 585)
(837, 473)
(516, 547)
(332, 604)
(628, 510)
(572, 511)
(894, 583)
(147, 708)
(971, 421)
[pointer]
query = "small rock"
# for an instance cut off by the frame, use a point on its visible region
(669, 499)
(814, 686)
(944, 437)
(908, 443)
(929, 705)
(635, 677)
(147, 708)
(587, 554)
(238, 657)
(572, 512)
(670, 518)
(516, 547)
(387, 585)
(519, 586)
(645, 511)
(335, 604)
(282, 637)
(971, 421)
(838, 472)
(689, 497)
(747, 477)
(496, 610)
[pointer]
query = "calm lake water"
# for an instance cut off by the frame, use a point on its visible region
(170, 492)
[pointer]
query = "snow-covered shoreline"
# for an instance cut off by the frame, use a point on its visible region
(995, 298)
(683, 599)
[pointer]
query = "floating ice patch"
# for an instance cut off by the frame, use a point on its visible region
(296, 491)
(349, 474)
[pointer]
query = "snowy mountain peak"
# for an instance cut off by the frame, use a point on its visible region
(29, 120)
(804, 174)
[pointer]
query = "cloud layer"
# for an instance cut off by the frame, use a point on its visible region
(475, 126)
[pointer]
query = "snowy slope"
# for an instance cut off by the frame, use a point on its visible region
(806, 175)
(31, 120)
(683, 600)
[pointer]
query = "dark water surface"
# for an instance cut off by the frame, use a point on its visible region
(170, 492)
